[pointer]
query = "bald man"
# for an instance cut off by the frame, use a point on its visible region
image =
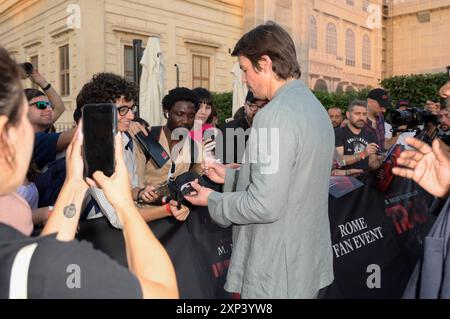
(335, 115)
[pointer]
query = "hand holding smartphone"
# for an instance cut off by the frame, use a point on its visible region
(99, 130)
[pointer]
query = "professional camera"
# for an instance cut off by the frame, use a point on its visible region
(411, 117)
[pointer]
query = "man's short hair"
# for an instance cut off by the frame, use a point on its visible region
(180, 94)
(272, 40)
(105, 88)
(335, 108)
(354, 103)
(33, 93)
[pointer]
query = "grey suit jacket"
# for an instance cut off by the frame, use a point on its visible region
(279, 204)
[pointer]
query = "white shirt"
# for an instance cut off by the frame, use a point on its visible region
(96, 193)
(401, 138)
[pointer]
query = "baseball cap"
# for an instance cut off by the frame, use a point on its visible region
(381, 96)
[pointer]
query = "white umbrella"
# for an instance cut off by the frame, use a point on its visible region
(152, 83)
(239, 89)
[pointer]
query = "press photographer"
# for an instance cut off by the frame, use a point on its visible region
(423, 123)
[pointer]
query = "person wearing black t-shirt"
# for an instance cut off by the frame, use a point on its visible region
(354, 143)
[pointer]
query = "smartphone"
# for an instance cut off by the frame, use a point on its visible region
(99, 130)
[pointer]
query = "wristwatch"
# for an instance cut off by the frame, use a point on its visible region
(48, 87)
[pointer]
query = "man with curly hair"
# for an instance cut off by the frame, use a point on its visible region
(112, 88)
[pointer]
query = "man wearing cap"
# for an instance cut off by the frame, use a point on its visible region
(238, 130)
(378, 102)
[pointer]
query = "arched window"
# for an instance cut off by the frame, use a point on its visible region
(349, 89)
(349, 48)
(321, 85)
(366, 53)
(312, 33)
(331, 39)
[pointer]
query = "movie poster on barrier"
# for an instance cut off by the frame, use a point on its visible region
(407, 205)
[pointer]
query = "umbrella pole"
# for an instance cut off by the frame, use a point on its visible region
(178, 75)
(137, 68)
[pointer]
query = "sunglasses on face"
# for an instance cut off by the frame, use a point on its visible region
(123, 110)
(42, 105)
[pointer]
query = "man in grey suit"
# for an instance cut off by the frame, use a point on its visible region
(278, 201)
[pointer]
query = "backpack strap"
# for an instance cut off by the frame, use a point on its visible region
(18, 283)
(155, 132)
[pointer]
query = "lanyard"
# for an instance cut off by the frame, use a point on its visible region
(170, 176)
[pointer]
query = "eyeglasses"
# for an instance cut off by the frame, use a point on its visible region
(255, 106)
(123, 110)
(42, 105)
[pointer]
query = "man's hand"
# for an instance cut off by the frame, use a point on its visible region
(429, 167)
(209, 146)
(136, 127)
(216, 171)
(148, 195)
(444, 91)
(201, 196)
(179, 214)
(371, 148)
(38, 79)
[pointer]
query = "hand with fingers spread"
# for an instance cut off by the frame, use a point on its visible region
(427, 166)
(179, 214)
(201, 194)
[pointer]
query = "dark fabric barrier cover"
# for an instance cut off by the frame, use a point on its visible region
(375, 233)
(199, 249)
